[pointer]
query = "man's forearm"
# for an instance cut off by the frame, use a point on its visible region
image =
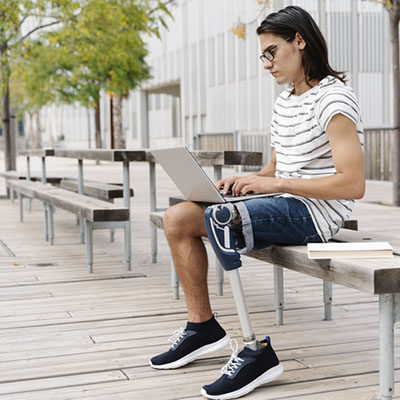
(267, 170)
(338, 186)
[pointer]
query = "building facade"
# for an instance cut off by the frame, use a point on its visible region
(206, 79)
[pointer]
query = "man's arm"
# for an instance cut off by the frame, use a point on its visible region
(347, 183)
(269, 168)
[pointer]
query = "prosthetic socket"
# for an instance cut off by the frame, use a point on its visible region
(217, 219)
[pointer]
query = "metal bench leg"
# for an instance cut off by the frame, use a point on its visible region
(89, 245)
(154, 249)
(278, 294)
(82, 229)
(28, 204)
(128, 246)
(328, 300)
(249, 337)
(153, 207)
(112, 235)
(50, 219)
(220, 277)
(45, 222)
(21, 207)
(174, 281)
(386, 346)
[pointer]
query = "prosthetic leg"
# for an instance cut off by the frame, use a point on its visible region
(218, 219)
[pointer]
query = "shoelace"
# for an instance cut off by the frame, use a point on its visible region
(234, 362)
(177, 336)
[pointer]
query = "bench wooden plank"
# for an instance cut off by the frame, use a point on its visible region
(374, 276)
(221, 157)
(103, 154)
(36, 152)
(87, 207)
(18, 175)
(95, 189)
(26, 188)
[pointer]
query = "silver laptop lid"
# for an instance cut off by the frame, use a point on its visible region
(187, 174)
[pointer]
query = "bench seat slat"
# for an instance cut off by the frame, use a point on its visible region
(95, 189)
(373, 275)
(88, 207)
(34, 178)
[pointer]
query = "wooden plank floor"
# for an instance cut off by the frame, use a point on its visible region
(67, 334)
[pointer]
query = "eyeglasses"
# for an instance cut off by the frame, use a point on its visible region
(269, 54)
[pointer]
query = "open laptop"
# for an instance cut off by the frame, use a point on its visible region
(187, 174)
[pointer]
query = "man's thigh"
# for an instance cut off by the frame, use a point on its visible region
(276, 220)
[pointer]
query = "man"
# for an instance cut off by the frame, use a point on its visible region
(317, 165)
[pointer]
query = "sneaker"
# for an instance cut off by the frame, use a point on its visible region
(245, 371)
(198, 339)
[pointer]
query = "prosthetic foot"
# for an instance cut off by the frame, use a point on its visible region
(217, 219)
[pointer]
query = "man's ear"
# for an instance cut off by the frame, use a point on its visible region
(300, 41)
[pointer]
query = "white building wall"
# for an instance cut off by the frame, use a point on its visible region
(223, 86)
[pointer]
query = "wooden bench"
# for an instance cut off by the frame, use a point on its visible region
(54, 180)
(374, 276)
(96, 214)
(98, 190)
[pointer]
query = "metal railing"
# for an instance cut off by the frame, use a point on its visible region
(378, 153)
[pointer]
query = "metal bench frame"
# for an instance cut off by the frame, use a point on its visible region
(42, 192)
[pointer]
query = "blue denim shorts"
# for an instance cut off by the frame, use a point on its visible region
(274, 220)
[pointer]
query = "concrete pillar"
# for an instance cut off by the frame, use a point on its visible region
(142, 109)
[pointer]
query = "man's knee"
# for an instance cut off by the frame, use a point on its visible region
(183, 219)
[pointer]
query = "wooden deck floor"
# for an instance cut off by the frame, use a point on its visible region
(66, 334)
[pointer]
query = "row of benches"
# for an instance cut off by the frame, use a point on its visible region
(106, 192)
(95, 213)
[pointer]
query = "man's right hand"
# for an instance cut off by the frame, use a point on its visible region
(226, 184)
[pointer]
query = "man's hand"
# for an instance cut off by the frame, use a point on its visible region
(255, 184)
(225, 184)
(248, 184)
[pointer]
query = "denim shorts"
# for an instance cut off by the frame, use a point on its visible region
(274, 220)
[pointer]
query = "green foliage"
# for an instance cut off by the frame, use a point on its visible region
(99, 46)
(13, 14)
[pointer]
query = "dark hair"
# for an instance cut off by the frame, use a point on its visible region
(290, 20)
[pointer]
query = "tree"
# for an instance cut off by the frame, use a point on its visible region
(32, 82)
(13, 14)
(103, 48)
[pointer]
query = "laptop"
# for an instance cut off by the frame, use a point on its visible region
(190, 178)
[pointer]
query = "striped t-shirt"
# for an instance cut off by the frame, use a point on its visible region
(298, 134)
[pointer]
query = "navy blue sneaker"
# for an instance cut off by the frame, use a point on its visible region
(245, 371)
(197, 340)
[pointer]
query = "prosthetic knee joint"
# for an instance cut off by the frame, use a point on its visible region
(217, 219)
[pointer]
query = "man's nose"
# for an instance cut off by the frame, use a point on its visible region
(267, 64)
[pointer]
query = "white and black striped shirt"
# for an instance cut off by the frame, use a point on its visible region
(298, 134)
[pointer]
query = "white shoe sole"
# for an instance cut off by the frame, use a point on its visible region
(209, 348)
(268, 376)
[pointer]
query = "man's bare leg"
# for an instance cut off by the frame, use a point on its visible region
(184, 226)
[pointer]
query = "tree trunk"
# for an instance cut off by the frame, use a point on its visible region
(119, 139)
(9, 155)
(394, 30)
(36, 135)
(97, 124)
